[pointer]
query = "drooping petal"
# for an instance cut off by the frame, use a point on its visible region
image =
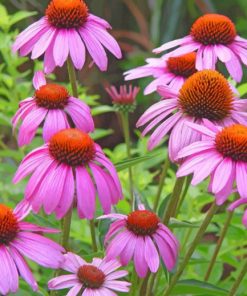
(76, 49)
(61, 47)
(39, 79)
(241, 178)
(151, 255)
(141, 266)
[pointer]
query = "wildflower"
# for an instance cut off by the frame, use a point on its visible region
(19, 239)
(141, 236)
(96, 278)
(67, 30)
(236, 204)
(69, 167)
(52, 105)
(124, 99)
(213, 37)
(167, 70)
(222, 155)
(204, 95)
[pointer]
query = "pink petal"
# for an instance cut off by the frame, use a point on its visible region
(39, 79)
(172, 44)
(241, 178)
(221, 175)
(77, 49)
(151, 255)
(63, 282)
(139, 258)
(61, 47)
(86, 195)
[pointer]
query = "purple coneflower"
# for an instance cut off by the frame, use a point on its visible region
(19, 239)
(222, 155)
(90, 279)
(204, 95)
(68, 29)
(167, 70)
(141, 236)
(51, 104)
(70, 167)
(213, 37)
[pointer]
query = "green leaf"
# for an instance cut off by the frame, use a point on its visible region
(194, 287)
(4, 18)
(102, 109)
(20, 15)
(174, 223)
(133, 161)
(101, 133)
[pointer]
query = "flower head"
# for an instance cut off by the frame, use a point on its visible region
(78, 167)
(124, 99)
(222, 155)
(67, 30)
(19, 239)
(141, 236)
(213, 37)
(167, 70)
(97, 278)
(51, 104)
(204, 95)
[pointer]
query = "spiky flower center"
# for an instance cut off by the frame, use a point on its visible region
(67, 14)
(52, 96)
(206, 94)
(72, 147)
(232, 142)
(213, 29)
(8, 225)
(183, 65)
(91, 276)
(142, 222)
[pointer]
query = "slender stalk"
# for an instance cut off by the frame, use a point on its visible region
(187, 185)
(151, 284)
(134, 281)
(144, 285)
(161, 182)
(72, 77)
(192, 248)
(173, 202)
(67, 219)
(66, 223)
(93, 235)
(126, 130)
(238, 281)
(218, 245)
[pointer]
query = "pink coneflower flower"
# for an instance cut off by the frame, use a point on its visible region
(125, 98)
(51, 104)
(213, 37)
(205, 94)
(68, 29)
(167, 70)
(70, 167)
(90, 279)
(141, 236)
(19, 239)
(239, 202)
(222, 155)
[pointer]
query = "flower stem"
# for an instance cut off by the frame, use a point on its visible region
(144, 285)
(134, 282)
(93, 235)
(161, 182)
(126, 130)
(173, 201)
(192, 248)
(187, 185)
(72, 77)
(66, 223)
(238, 281)
(218, 245)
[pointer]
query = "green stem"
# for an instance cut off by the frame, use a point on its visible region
(66, 223)
(134, 279)
(93, 236)
(187, 185)
(72, 77)
(218, 246)
(161, 182)
(151, 284)
(238, 281)
(126, 130)
(144, 285)
(192, 248)
(173, 201)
